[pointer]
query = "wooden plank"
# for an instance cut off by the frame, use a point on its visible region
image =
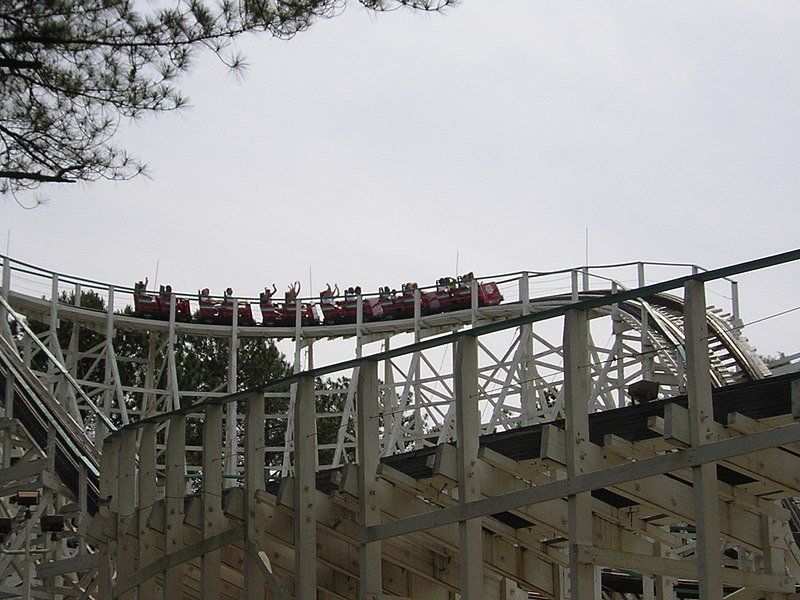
(213, 520)
(148, 551)
(369, 512)
(468, 433)
(126, 490)
(175, 489)
(254, 481)
(681, 459)
(701, 416)
(584, 577)
(305, 462)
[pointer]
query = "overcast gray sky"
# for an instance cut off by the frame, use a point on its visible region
(375, 149)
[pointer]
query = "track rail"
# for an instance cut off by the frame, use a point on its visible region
(42, 415)
(648, 320)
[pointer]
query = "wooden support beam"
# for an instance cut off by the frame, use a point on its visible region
(75, 564)
(399, 497)
(148, 552)
(701, 416)
(179, 558)
(685, 569)
(195, 544)
(262, 560)
(108, 462)
(126, 491)
(669, 495)
(23, 470)
(369, 510)
(465, 374)
(254, 482)
(305, 468)
(773, 466)
(212, 520)
(424, 556)
(728, 493)
(663, 586)
(774, 555)
(174, 502)
(584, 577)
(630, 472)
(552, 516)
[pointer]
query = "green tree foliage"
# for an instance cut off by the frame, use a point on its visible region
(86, 365)
(202, 363)
(202, 366)
(70, 70)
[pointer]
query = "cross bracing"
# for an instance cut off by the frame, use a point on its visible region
(518, 377)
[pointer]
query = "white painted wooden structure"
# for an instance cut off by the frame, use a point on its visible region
(418, 497)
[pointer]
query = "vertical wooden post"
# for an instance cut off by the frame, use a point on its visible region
(473, 302)
(70, 362)
(149, 397)
(701, 416)
(254, 481)
(148, 552)
(231, 441)
(774, 556)
(305, 490)
(359, 324)
(584, 583)
(108, 492)
(5, 287)
(470, 536)
(664, 587)
(369, 511)
(391, 402)
(575, 291)
(526, 368)
(83, 503)
(647, 346)
(172, 374)
(126, 491)
(618, 329)
(231, 427)
(174, 503)
(53, 341)
(108, 394)
(210, 562)
(117, 395)
(736, 317)
(417, 375)
(9, 387)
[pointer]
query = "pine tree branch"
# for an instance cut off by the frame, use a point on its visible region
(38, 176)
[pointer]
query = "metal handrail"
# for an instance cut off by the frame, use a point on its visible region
(21, 320)
(512, 323)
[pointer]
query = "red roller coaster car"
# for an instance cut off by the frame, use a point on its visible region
(456, 294)
(346, 312)
(220, 312)
(450, 294)
(274, 314)
(152, 306)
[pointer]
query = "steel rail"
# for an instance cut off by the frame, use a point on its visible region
(512, 323)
